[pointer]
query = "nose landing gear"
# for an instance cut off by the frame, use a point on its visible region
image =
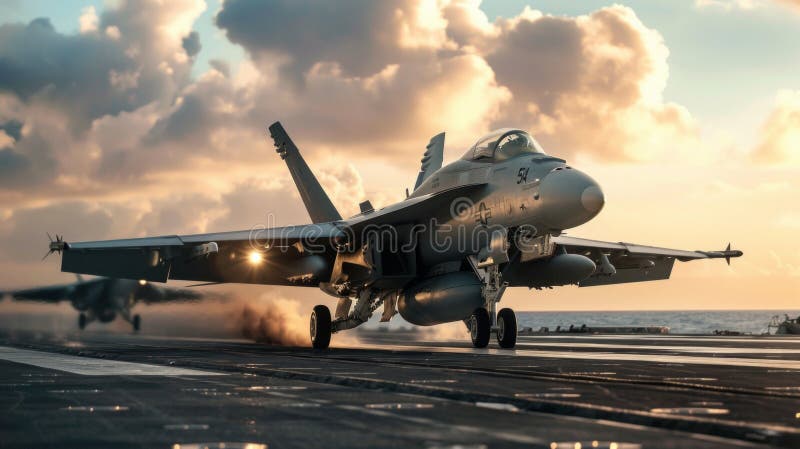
(486, 320)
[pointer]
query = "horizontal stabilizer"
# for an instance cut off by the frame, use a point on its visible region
(317, 203)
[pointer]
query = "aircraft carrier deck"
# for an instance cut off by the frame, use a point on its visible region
(565, 391)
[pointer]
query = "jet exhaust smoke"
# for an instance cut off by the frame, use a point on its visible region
(263, 317)
(272, 321)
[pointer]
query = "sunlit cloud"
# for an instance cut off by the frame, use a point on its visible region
(780, 133)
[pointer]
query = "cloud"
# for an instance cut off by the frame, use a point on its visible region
(744, 5)
(589, 85)
(360, 37)
(779, 139)
(221, 66)
(792, 3)
(88, 20)
(70, 73)
(28, 162)
(728, 5)
(54, 87)
(24, 231)
(392, 80)
(789, 219)
(592, 83)
(12, 128)
(86, 76)
(191, 43)
(258, 203)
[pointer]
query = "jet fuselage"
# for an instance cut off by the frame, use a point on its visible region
(537, 192)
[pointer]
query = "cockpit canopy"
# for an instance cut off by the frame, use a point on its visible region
(503, 144)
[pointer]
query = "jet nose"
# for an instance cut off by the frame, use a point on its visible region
(592, 199)
(569, 198)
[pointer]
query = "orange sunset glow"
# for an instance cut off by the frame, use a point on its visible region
(151, 120)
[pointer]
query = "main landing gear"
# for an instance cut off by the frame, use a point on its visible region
(347, 317)
(506, 328)
(320, 327)
(481, 328)
(135, 320)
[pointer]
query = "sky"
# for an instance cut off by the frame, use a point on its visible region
(125, 119)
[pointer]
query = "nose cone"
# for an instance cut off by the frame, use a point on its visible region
(569, 198)
(592, 199)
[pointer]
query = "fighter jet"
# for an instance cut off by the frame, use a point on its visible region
(491, 220)
(102, 299)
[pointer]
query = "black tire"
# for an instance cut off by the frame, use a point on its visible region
(480, 328)
(137, 323)
(320, 327)
(506, 328)
(82, 321)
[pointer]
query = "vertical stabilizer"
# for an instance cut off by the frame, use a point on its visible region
(432, 159)
(318, 205)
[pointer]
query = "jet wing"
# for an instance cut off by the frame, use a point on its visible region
(214, 257)
(223, 257)
(50, 294)
(620, 262)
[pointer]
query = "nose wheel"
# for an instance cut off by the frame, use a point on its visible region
(320, 327)
(506, 328)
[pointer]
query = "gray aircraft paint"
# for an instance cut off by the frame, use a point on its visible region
(505, 203)
(103, 299)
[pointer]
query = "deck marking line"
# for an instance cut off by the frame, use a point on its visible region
(89, 366)
(602, 356)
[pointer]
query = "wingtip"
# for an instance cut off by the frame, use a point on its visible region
(56, 246)
(729, 253)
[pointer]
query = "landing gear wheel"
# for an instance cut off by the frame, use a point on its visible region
(506, 328)
(82, 321)
(480, 327)
(137, 323)
(320, 327)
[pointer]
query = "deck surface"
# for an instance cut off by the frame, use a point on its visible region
(115, 390)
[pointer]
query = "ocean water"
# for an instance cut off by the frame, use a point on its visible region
(679, 322)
